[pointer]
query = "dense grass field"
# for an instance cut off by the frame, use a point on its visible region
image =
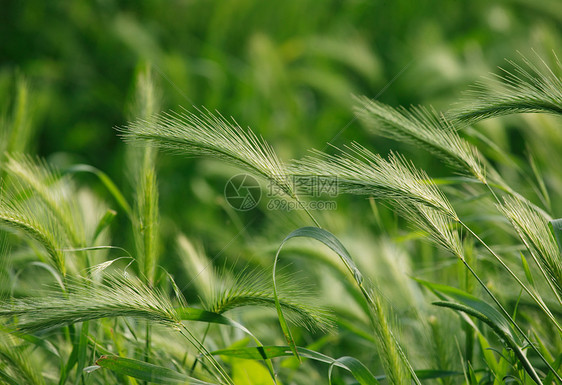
(243, 192)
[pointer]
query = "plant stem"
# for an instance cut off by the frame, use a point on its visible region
(504, 311)
(202, 341)
(504, 265)
(193, 340)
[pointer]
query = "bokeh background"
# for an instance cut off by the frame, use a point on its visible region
(287, 69)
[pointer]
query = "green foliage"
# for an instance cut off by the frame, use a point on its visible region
(123, 291)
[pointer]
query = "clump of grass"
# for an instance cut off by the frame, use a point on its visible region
(38, 202)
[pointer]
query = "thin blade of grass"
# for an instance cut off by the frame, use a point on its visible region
(470, 301)
(104, 222)
(330, 241)
(107, 182)
(355, 367)
(193, 314)
(146, 371)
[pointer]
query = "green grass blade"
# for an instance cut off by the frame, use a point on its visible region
(146, 371)
(15, 362)
(333, 243)
(82, 350)
(104, 222)
(429, 374)
(355, 367)
(107, 182)
(39, 342)
(54, 273)
(556, 365)
(527, 270)
(470, 301)
(8, 379)
(77, 355)
(482, 310)
(193, 314)
(499, 330)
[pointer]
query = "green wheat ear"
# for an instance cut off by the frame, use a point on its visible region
(528, 88)
(18, 130)
(119, 295)
(209, 134)
(35, 222)
(254, 288)
(532, 229)
(54, 191)
(15, 365)
(359, 171)
(423, 127)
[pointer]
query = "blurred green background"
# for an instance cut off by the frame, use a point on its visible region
(288, 69)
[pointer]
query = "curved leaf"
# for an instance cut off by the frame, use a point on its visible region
(107, 182)
(354, 366)
(472, 302)
(145, 371)
(333, 243)
(505, 337)
(193, 314)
